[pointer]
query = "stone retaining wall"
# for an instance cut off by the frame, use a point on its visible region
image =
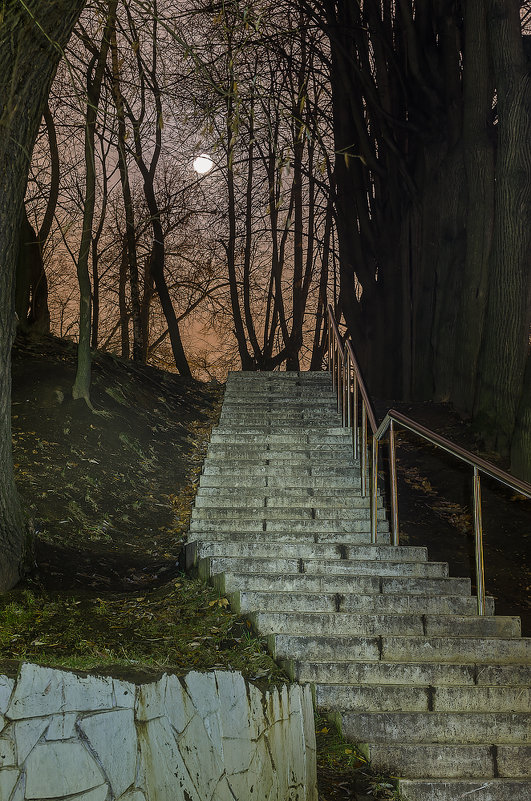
(201, 737)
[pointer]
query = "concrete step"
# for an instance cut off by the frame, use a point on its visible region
(453, 789)
(437, 727)
(243, 547)
(253, 600)
(411, 673)
(281, 432)
(400, 649)
(213, 533)
(367, 624)
(329, 436)
(418, 698)
(327, 567)
(315, 400)
(264, 467)
(277, 480)
(293, 513)
(283, 453)
(290, 499)
(448, 761)
(301, 496)
(296, 526)
(232, 581)
(325, 417)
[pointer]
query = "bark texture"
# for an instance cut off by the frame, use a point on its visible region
(31, 43)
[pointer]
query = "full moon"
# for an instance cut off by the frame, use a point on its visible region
(203, 164)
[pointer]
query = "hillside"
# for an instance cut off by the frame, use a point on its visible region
(108, 494)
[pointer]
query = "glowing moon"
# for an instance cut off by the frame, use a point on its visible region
(203, 164)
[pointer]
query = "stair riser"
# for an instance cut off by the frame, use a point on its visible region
(365, 585)
(309, 550)
(399, 649)
(278, 457)
(452, 761)
(308, 527)
(270, 501)
(487, 790)
(275, 480)
(377, 604)
(321, 525)
(263, 467)
(319, 502)
(412, 673)
(350, 623)
(422, 699)
(436, 727)
(298, 424)
(268, 419)
(260, 440)
(219, 564)
(212, 534)
(275, 513)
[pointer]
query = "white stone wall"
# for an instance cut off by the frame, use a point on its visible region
(201, 737)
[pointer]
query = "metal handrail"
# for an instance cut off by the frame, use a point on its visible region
(479, 465)
(354, 403)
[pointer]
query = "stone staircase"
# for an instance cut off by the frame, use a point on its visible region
(391, 643)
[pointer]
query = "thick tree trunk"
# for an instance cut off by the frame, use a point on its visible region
(479, 168)
(521, 442)
(31, 40)
(506, 330)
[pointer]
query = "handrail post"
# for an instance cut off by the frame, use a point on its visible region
(478, 536)
(363, 454)
(349, 379)
(394, 486)
(329, 324)
(333, 360)
(345, 389)
(374, 491)
(355, 432)
(340, 382)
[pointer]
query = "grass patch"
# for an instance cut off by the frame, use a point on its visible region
(180, 626)
(343, 770)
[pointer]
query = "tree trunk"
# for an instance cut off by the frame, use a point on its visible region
(479, 168)
(139, 345)
(81, 388)
(28, 61)
(506, 332)
(521, 442)
(122, 302)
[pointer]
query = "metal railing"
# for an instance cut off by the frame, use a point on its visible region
(354, 403)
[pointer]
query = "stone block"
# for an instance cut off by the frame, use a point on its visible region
(46, 776)
(8, 780)
(47, 691)
(164, 771)
(177, 704)
(150, 700)
(202, 756)
(61, 727)
(7, 752)
(112, 736)
(27, 735)
(201, 688)
(6, 688)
